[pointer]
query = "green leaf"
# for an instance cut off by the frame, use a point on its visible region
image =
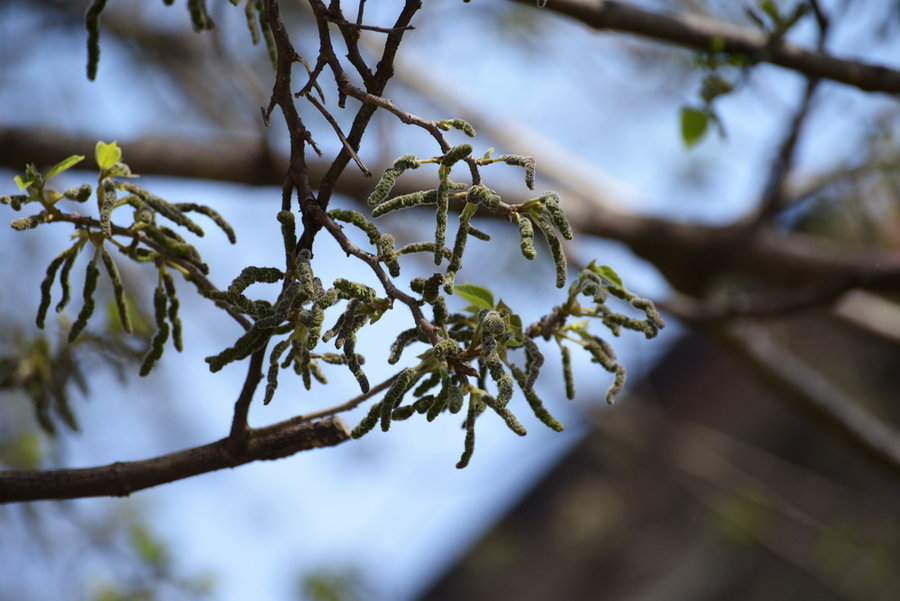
(478, 296)
(694, 123)
(61, 166)
(107, 155)
(23, 184)
(608, 274)
(769, 7)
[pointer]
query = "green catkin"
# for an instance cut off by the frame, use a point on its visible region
(477, 233)
(459, 244)
(534, 359)
(15, 201)
(335, 359)
(383, 188)
(407, 161)
(420, 247)
(507, 415)
(160, 300)
(30, 222)
(439, 311)
(440, 401)
(534, 401)
(92, 24)
(459, 124)
(333, 331)
(118, 290)
(405, 201)
(107, 199)
(353, 364)
(80, 194)
(354, 290)
(551, 205)
(417, 285)
(272, 375)
(64, 277)
(190, 207)
(243, 347)
(602, 353)
(359, 220)
(440, 232)
(526, 238)
(301, 366)
(443, 397)
(87, 309)
(484, 196)
(251, 275)
(288, 239)
(395, 394)
(316, 371)
(617, 385)
(404, 339)
(427, 384)
(271, 48)
(175, 245)
(432, 289)
(67, 255)
(387, 181)
(403, 413)
(649, 309)
(199, 15)
(318, 316)
(423, 404)
(305, 274)
(567, 371)
(164, 208)
(368, 422)
(456, 154)
(174, 304)
(521, 161)
(388, 255)
(249, 8)
(469, 444)
(456, 400)
(559, 255)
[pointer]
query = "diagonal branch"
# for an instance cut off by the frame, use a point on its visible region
(815, 392)
(700, 33)
(120, 479)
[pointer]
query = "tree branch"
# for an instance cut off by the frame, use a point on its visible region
(699, 33)
(813, 391)
(120, 479)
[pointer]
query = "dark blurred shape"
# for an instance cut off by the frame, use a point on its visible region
(703, 485)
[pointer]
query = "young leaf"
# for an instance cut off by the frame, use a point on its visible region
(107, 155)
(63, 165)
(478, 296)
(22, 183)
(609, 274)
(694, 123)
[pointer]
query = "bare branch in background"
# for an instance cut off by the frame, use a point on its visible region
(702, 34)
(803, 383)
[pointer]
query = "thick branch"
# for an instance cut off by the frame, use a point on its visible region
(121, 479)
(688, 254)
(699, 32)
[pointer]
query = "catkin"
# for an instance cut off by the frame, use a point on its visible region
(87, 309)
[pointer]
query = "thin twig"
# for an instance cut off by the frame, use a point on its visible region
(340, 134)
